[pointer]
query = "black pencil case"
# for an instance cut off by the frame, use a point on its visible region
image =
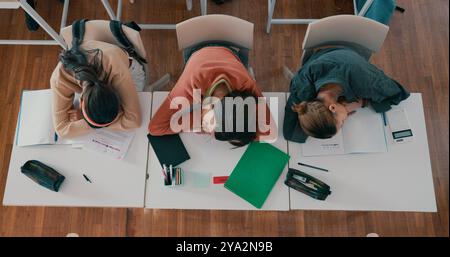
(307, 184)
(42, 174)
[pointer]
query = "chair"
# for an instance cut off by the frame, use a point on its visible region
(379, 10)
(216, 28)
(362, 34)
(99, 30)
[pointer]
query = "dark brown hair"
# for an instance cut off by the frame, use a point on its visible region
(102, 103)
(234, 137)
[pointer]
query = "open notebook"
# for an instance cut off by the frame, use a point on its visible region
(35, 127)
(363, 132)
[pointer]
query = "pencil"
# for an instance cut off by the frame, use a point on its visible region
(87, 179)
(314, 167)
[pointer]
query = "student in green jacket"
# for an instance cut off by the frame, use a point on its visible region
(333, 83)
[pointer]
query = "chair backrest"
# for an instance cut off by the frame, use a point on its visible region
(99, 30)
(215, 27)
(350, 29)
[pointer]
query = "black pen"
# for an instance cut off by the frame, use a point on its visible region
(314, 167)
(87, 179)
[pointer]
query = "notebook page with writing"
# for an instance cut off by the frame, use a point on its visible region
(112, 143)
(331, 146)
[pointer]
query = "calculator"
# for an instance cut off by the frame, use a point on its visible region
(399, 125)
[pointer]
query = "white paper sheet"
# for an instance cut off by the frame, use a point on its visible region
(112, 143)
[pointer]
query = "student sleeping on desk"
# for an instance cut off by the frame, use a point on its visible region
(212, 76)
(100, 72)
(332, 84)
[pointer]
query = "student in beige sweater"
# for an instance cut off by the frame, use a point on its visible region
(100, 72)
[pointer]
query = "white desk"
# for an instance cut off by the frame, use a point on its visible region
(215, 157)
(115, 183)
(399, 180)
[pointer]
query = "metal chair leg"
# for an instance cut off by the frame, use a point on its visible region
(189, 5)
(251, 72)
(27, 8)
(288, 74)
(271, 8)
(204, 7)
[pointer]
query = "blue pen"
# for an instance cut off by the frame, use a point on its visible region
(384, 118)
(56, 137)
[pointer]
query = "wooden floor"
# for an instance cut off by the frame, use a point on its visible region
(415, 53)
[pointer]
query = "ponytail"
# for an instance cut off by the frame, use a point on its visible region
(301, 108)
(101, 103)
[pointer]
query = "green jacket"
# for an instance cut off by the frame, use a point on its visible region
(343, 66)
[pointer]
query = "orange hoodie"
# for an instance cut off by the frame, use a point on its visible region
(205, 67)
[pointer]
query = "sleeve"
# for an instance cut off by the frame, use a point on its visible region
(301, 89)
(62, 102)
(386, 93)
(160, 122)
(272, 133)
(291, 126)
(121, 80)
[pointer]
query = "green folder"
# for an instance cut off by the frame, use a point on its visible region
(257, 172)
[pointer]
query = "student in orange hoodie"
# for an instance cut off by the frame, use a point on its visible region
(215, 76)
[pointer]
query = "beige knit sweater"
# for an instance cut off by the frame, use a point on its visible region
(64, 86)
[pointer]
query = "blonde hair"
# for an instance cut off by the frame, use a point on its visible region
(316, 119)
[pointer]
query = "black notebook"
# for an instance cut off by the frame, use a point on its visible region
(169, 149)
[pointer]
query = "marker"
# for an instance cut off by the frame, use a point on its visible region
(314, 167)
(56, 137)
(164, 174)
(87, 179)
(172, 178)
(220, 179)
